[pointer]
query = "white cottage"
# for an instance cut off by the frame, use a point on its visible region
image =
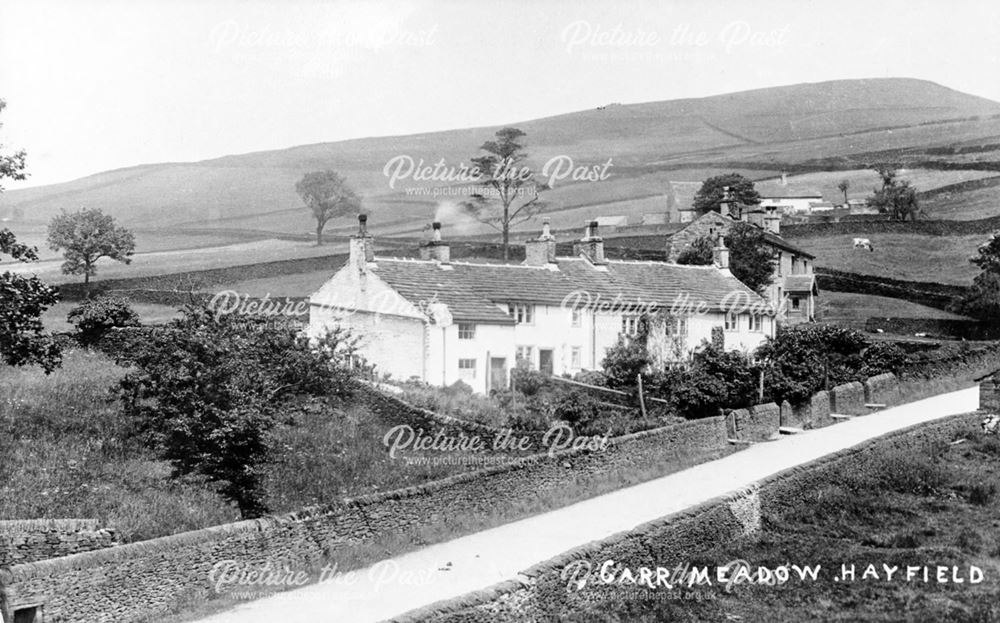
(441, 321)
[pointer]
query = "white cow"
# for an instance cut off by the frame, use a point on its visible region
(863, 243)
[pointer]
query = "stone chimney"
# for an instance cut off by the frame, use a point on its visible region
(435, 248)
(784, 178)
(720, 254)
(362, 248)
(591, 245)
(727, 206)
(772, 220)
(541, 251)
(754, 215)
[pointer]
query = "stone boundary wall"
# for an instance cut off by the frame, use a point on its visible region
(141, 580)
(540, 592)
(882, 389)
(819, 408)
(974, 362)
(848, 399)
(761, 422)
(935, 327)
(758, 423)
(28, 540)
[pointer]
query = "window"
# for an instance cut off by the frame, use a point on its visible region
(522, 312)
(466, 331)
(575, 358)
(524, 354)
(680, 328)
(795, 302)
(630, 325)
(732, 322)
(576, 317)
(466, 369)
(756, 322)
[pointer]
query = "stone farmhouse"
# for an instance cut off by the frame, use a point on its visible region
(793, 292)
(441, 321)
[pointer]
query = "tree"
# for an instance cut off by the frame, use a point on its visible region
(23, 340)
(896, 198)
(87, 235)
(327, 196)
(710, 194)
(507, 179)
(207, 389)
(11, 165)
(96, 316)
(751, 258)
(983, 299)
(699, 253)
(843, 186)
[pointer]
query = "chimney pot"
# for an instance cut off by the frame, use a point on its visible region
(592, 245)
(362, 246)
(436, 249)
(720, 254)
(541, 251)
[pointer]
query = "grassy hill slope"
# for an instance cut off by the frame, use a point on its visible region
(650, 144)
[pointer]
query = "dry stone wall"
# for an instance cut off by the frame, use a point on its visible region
(542, 593)
(28, 540)
(141, 580)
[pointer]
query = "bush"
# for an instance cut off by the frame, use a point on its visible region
(882, 357)
(805, 359)
(95, 317)
(206, 391)
(714, 380)
(625, 361)
(527, 381)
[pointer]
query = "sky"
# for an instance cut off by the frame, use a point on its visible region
(93, 85)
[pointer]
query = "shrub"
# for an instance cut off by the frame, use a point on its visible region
(802, 360)
(882, 357)
(206, 390)
(95, 317)
(714, 380)
(578, 409)
(527, 381)
(980, 494)
(625, 361)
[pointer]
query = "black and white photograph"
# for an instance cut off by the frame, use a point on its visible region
(455, 311)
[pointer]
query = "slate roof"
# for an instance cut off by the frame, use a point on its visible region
(472, 290)
(800, 283)
(781, 243)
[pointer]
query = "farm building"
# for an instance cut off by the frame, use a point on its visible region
(793, 290)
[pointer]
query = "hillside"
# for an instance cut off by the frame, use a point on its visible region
(655, 148)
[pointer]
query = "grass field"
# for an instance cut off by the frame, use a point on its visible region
(966, 204)
(69, 452)
(944, 259)
(863, 181)
(54, 318)
(854, 310)
(181, 260)
(936, 505)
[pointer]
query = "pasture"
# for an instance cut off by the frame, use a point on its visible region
(864, 181)
(853, 310)
(943, 259)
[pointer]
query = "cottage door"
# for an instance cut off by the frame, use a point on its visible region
(545, 361)
(498, 373)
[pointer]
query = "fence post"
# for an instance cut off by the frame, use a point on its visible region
(642, 400)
